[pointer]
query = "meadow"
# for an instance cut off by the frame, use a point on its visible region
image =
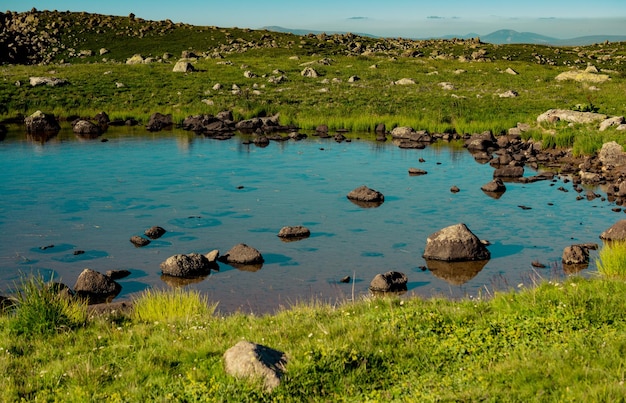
(554, 341)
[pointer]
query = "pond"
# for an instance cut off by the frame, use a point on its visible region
(69, 194)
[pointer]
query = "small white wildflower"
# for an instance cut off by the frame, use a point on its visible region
(520, 285)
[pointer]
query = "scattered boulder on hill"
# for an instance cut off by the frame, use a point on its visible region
(589, 75)
(455, 243)
(183, 66)
(49, 81)
(135, 59)
(567, 115)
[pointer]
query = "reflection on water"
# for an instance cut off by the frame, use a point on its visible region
(61, 195)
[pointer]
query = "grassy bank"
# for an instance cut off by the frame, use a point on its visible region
(553, 342)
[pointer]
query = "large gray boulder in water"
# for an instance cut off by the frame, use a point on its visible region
(455, 243)
(187, 266)
(96, 287)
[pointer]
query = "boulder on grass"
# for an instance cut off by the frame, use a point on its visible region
(254, 361)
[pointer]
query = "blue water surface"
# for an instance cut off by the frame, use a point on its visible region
(71, 194)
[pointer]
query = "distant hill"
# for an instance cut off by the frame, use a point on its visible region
(501, 37)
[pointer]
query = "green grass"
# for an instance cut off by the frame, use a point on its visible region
(42, 308)
(177, 305)
(554, 341)
(611, 260)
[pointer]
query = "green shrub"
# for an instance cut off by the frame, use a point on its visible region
(45, 308)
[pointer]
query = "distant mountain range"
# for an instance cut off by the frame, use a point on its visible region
(500, 37)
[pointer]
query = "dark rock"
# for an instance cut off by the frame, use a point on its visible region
(242, 254)
(117, 274)
(159, 121)
(380, 128)
(154, 232)
(297, 232)
(85, 127)
(391, 281)
(455, 243)
(455, 189)
(139, 241)
(39, 123)
(495, 186)
(575, 254)
(345, 279)
(365, 194)
(256, 362)
(417, 171)
(95, 287)
(509, 172)
(103, 119)
(617, 232)
(187, 266)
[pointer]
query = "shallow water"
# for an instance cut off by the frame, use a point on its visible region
(70, 194)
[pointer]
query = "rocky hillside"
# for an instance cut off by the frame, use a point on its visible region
(41, 37)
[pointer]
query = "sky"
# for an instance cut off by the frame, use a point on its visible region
(561, 19)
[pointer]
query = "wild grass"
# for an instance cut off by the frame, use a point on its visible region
(42, 308)
(176, 305)
(611, 260)
(554, 341)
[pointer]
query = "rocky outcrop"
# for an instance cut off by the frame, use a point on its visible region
(96, 287)
(391, 281)
(455, 243)
(49, 81)
(139, 241)
(187, 266)
(256, 362)
(571, 116)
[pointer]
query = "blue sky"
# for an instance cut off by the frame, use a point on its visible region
(406, 18)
